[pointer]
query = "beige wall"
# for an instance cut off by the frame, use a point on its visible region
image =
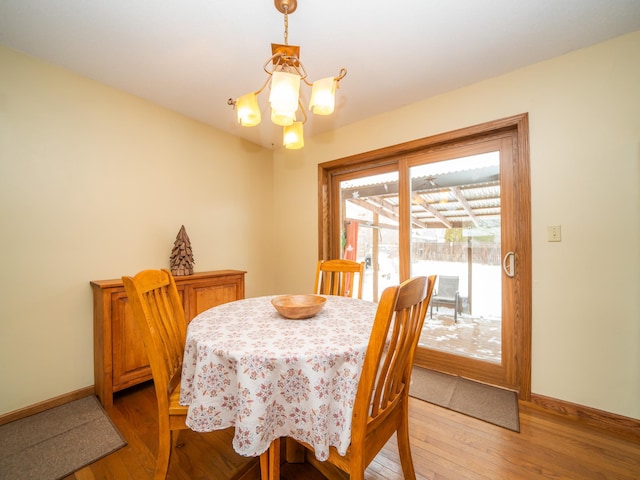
(73, 153)
(95, 184)
(584, 112)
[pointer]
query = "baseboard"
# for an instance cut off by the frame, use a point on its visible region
(46, 405)
(611, 422)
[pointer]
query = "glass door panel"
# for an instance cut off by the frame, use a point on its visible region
(369, 229)
(456, 234)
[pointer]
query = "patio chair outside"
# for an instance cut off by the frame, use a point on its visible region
(447, 295)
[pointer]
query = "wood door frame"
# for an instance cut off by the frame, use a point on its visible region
(518, 375)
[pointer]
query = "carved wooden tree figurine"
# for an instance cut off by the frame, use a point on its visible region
(181, 256)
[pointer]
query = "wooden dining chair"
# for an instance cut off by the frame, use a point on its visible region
(381, 405)
(339, 277)
(159, 316)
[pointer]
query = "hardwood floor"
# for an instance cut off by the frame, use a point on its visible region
(445, 445)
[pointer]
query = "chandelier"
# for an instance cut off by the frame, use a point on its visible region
(285, 73)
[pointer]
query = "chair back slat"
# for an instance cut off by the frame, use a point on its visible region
(339, 277)
(389, 358)
(159, 315)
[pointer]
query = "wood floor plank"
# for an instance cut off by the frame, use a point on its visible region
(445, 445)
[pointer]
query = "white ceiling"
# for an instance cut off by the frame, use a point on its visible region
(192, 55)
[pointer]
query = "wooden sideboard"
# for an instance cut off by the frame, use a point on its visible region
(119, 358)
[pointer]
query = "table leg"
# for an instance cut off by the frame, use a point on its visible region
(294, 452)
(274, 460)
(270, 462)
(264, 466)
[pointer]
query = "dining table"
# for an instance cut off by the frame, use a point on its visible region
(246, 366)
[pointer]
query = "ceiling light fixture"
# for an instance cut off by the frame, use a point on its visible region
(286, 71)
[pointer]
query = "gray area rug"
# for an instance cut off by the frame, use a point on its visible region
(57, 442)
(485, 402)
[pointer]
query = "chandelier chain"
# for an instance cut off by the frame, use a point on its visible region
(286, 24)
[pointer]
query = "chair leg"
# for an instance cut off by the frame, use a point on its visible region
(164, 455)
(356, 475)
(357, 467)
(165, 444)
(404, 447)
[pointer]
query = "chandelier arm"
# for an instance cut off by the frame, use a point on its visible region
(299, 68)
(275, 59)
(301, 108)
(337, 78)
(266, 82)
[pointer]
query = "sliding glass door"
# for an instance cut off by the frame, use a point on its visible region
(457, 209)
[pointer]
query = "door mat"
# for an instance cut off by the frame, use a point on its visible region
(57, 442)
(484, 402)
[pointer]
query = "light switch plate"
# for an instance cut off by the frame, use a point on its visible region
(554, 233)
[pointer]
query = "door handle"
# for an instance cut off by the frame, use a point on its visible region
(508, 264)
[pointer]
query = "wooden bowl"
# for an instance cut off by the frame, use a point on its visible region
(297, 307)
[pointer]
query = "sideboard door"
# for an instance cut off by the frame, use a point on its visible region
(205, 295)
(120, 359)
(131, 365)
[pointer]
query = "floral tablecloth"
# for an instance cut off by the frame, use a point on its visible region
(246, 366)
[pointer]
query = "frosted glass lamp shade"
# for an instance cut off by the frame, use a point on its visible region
(323, 96)
(248, 110)
(284, 119)
(293, 138)
(285, 88)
